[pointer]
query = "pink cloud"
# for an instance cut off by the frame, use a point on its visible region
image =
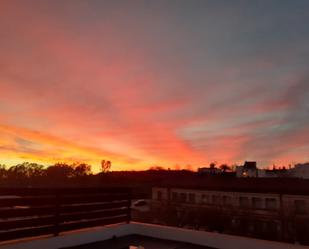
(86, 91)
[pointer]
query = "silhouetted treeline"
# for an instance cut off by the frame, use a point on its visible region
(80, 175)
(32, 174)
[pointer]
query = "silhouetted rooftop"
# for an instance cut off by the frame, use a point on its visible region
(250, 165)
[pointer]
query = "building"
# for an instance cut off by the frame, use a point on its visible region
(92, 218)
(301, 170)
(209, 170)
(249, 169)
(266, 215)
(275, 173)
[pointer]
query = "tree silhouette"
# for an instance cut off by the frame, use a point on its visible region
(26, 170)
(3, 171)
(156, 168)
(81, 169)
(60, 171)
(225, 167)
(105, 166)
(212, 165)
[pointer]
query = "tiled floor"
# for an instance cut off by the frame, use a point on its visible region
(137, 240)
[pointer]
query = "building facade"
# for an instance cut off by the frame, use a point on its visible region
(301, 170)
(249, 169)
(271, 216)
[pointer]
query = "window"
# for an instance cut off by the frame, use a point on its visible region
(227, 200)
(159, 195)
(183, 197)
(300, 207)
(205, 199)
(257, 202)
(174, 196)
(270, 203)
(192, 198)
(272, 227)
(244, 202)
(260, 227)
(215, 199)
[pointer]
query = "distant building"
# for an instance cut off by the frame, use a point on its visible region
(249, 169)
(209, 170)
(301, 170)
(274, 173)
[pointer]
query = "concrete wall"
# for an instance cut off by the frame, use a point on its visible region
(68, 239)
(215, 240)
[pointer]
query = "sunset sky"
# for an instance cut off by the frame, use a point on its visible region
(145, 83)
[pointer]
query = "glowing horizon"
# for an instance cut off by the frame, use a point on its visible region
(154, 83)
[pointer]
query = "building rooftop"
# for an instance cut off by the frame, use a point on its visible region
(98, 218)
(133, 241)
(250, 165)
(149, 236)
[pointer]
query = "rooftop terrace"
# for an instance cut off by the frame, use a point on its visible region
(149, 236)
(98, 218)
(135, 241)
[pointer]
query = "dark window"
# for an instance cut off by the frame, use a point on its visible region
(183, 197)
(272, 227)
(205, 199)
(257, 203)
(174, 196)
(215, 199)
(227, 200)
(270, 203)
(300, 206)
(260, 227)
(244, 202)
(192, 198)
(159, 195)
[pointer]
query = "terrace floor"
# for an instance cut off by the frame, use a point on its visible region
(137, 240)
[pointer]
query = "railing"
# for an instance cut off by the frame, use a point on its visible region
(31, 212)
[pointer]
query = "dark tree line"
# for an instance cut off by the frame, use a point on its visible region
(32, 170)
(80, 175)
(33, 174)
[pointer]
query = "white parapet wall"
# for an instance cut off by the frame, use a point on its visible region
(216, 240)
(74, 238)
